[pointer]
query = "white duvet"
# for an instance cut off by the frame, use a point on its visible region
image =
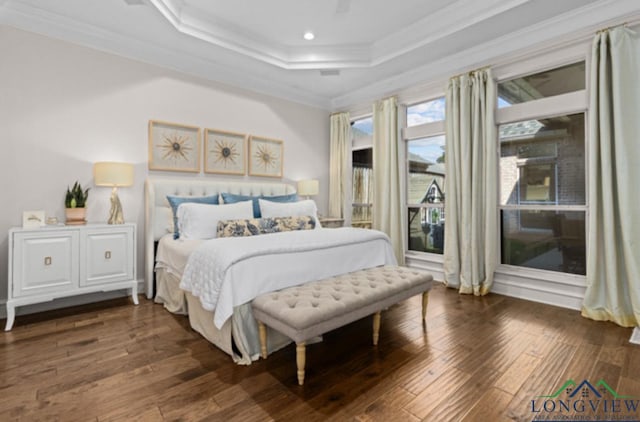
(227, 272)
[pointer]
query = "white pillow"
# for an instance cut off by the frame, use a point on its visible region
(289, 209)
(200, 221)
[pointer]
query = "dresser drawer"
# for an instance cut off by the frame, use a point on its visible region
(108, 256)
(44, 263)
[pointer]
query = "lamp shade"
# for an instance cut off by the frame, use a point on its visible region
(308, 187)
(108, 173)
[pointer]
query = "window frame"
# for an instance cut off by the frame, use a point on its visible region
(559, 105)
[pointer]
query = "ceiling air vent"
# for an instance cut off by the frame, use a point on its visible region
(330, 72)
(135, 2)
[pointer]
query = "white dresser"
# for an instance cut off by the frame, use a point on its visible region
(60, 261)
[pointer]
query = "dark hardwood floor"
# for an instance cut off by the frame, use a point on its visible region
(475, 359)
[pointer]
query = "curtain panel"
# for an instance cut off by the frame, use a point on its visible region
(340, 167)
(613, 246)
(387, 206)
(471, 228)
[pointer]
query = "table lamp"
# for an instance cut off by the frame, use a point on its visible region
(308, 187)
(115, 175)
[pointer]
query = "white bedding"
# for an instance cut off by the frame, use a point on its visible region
(227, 272)
(172, 254)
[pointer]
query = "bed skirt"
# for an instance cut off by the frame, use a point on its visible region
(241, 330)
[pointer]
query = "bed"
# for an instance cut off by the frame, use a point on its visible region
(264, 263)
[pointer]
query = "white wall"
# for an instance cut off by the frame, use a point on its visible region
(64, 107)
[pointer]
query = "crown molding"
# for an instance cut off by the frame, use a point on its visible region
(455, 17)
(553, 33)
(44, 22)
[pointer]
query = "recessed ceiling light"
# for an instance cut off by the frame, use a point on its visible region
(309, 36)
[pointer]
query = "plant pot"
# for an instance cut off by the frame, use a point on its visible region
(75, 216)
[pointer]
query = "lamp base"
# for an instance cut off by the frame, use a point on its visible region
(115, 214)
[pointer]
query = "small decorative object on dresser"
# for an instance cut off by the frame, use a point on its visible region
(56, 262)
(32, 219)
(75, 201)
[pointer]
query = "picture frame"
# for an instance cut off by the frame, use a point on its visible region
(225, 152)
(174, 147)
(33, 219)
(266, 156)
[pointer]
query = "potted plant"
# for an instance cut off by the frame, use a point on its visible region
(75, 201)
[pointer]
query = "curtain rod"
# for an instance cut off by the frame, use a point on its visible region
(470, 72)
(608, 28)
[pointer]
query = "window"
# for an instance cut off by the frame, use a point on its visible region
(362, 128)
(561, 80)
(362, 172)
(542, 188)
(427, 112)
(425, 194)
(424, 136)
(362, 187)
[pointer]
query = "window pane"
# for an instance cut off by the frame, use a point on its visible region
(426, 186)
(427, 112)
(426, 229)
(546, 240)
(361, 216)
(542, 161)
(362, 128)
(426, 170)
(561, 80)
(362, 174)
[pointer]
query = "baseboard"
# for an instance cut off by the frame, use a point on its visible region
(535, 289)
(434, 266)
(565, 291)
(67, 302)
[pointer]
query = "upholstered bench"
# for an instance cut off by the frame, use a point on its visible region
(309, 310)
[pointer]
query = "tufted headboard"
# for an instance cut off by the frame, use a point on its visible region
(158, 215)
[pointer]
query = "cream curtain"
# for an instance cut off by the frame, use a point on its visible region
(340, 167)
(387, 206)
(613, 254)
(471, 232)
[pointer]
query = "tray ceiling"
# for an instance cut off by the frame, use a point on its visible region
(362, 48)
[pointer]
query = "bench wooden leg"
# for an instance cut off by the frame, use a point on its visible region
(262, 329)
(425, 301)
(376, 328)
(301, 359)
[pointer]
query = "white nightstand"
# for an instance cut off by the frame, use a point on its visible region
(60, 261)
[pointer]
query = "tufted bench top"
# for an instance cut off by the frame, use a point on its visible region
(312, 309)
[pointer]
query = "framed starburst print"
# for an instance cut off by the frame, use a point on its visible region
(174, 147)
(224, 152)
(265, 157)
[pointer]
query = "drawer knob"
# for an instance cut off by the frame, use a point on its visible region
(47, 260)
(107, 255)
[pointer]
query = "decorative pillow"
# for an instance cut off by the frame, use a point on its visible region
(256, 226)
(200, 221)
(175, 202)
(231, 198)
(293, 209)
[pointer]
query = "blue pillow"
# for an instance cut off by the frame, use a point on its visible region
(175, 202)
(231, 198)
